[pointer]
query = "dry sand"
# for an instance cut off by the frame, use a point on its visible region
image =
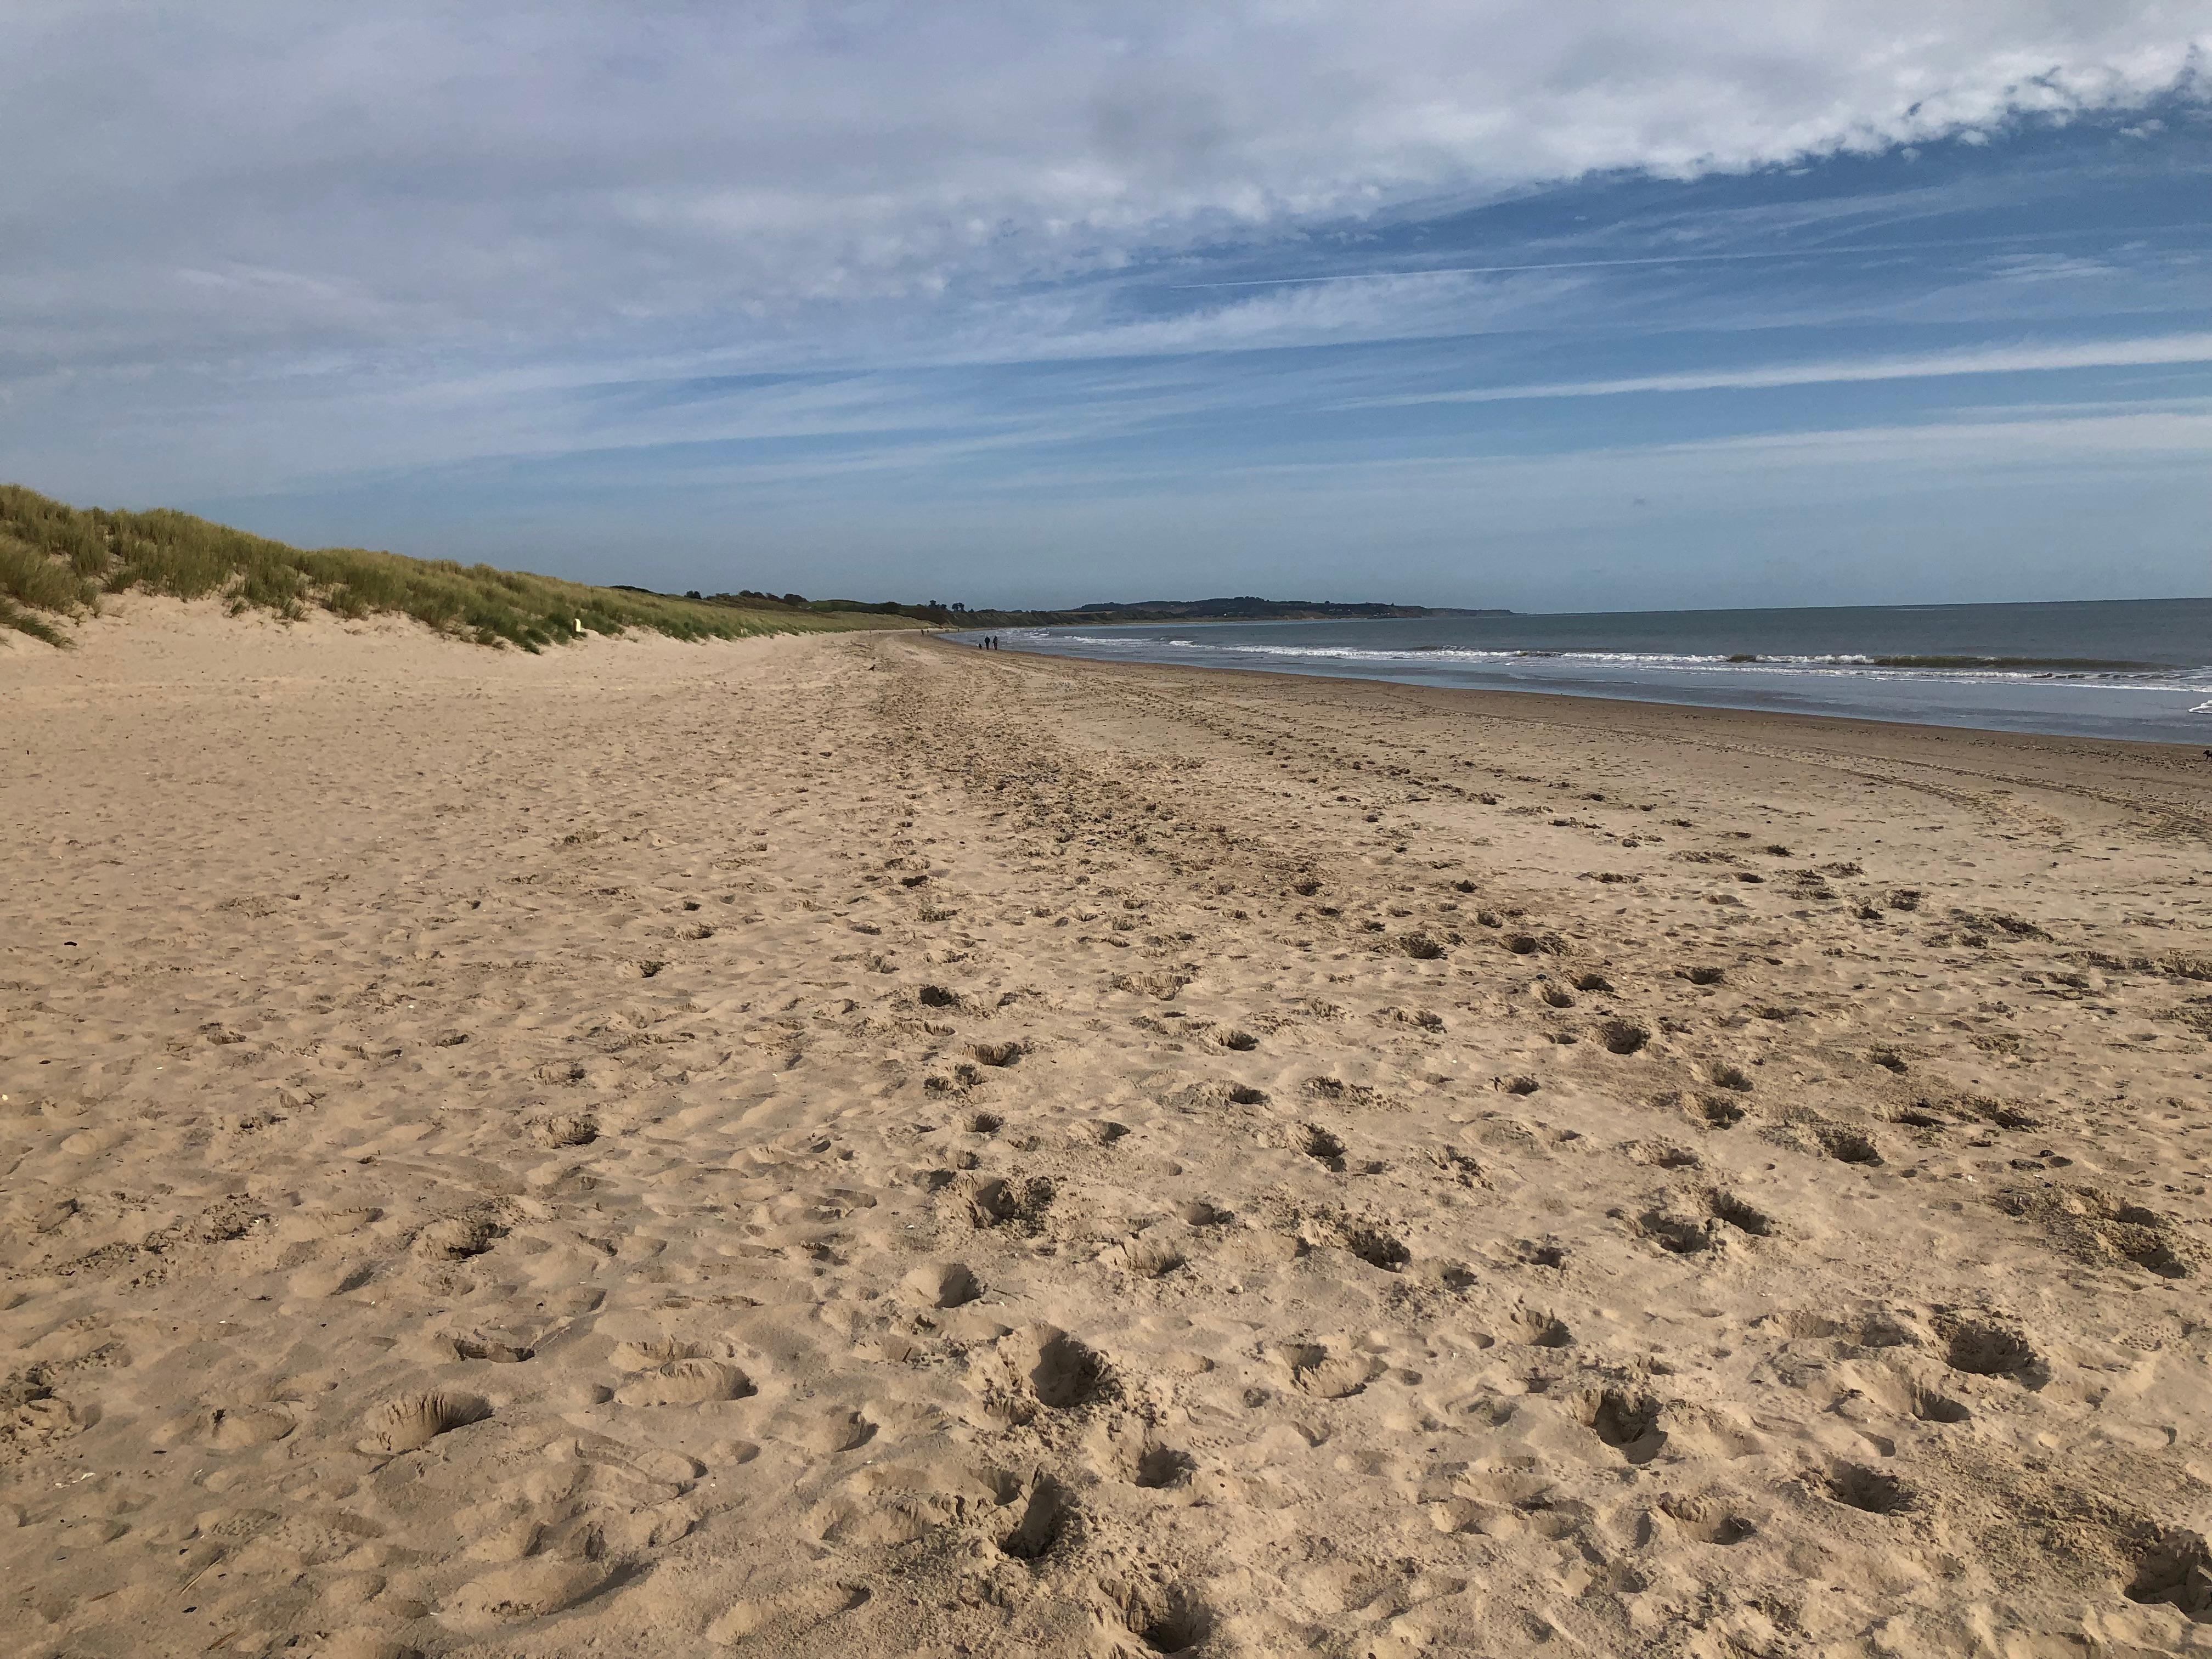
(850, 1145)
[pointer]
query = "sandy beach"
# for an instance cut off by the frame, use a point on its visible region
(851, 1145)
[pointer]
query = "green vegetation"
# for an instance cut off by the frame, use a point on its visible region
(56, 561)
(1250, 608)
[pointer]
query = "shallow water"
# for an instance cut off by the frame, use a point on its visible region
(2138, 669)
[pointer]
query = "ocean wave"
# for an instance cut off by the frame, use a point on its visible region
(2058, 665)
(1955, 669)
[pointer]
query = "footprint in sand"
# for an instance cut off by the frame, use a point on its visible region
(364, 1642)
(1986, 1347)
(787, 1615)
(1130, 1450)
(1146, 1257)
(1043, 1365)
(1622, 1037)
(1161, 984)
(324, 1278)
(941, 1285)
(1716, 1111)
(1325, 1375)
(565, 1129)
(1327, 1226)
(2173, 1568)
(1847, 1146)
(995, 1201)
(1041, 1518)
(1159, 1468)
(413, 1421)
(1319, 1144)
(824, 1433)
(1456, 1166)
(492, 1346)
(1679, 1232)
(1540, 1329)
(686, 1383)
(230, 1428)
(1166, 1618)
(1628, 1422)
(671, 1373)
(1874, 1490)
(1062, 1372)
(457, 1237)
(532, 1588)
(1662, 1154)
(1929, 1406)
(1709, 1518)
(1726, 1207)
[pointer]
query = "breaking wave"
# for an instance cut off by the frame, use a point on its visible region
(2118, 674)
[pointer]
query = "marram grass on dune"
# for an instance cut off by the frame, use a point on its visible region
(57, 562)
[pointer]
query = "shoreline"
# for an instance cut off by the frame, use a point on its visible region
(833, 1145)
(1537, 706)
(1800, 685)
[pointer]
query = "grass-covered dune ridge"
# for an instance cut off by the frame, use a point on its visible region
(57, 561)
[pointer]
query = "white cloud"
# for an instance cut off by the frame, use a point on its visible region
(505, 173)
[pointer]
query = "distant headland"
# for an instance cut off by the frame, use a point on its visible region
(1246, 608)
(1251, 609)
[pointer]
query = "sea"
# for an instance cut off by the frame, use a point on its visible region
(2138, 669)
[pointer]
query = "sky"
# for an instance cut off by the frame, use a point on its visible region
(1601, 306)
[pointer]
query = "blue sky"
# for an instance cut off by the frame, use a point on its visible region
(1477, 305)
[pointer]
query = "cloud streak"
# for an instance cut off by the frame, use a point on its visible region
(2162, 351)
(1688, 258)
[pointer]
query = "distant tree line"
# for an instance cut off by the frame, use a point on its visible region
(937, 612)
(746, 598)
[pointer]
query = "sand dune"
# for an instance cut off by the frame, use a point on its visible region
(848, 1146)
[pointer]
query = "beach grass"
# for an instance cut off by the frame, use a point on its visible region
(57, 561)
